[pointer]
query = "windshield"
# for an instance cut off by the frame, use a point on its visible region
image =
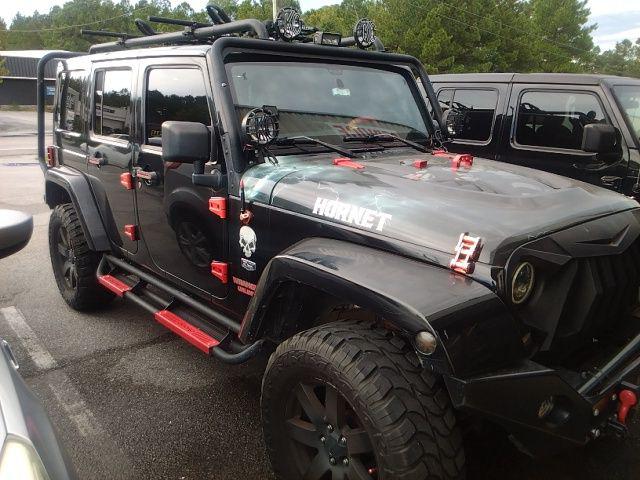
(629, 99)
(328, 101)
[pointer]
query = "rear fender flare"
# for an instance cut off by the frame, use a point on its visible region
(77, 187)
(411, 295)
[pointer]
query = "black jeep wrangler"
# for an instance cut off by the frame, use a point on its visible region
(262, 187)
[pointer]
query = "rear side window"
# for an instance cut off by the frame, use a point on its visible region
(112, 103)
(479, 108)
(556, 119)
(73, 86)
(174, 94)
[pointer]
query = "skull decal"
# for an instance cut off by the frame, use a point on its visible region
(248, 240)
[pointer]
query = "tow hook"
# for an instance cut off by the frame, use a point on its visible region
(627, 400)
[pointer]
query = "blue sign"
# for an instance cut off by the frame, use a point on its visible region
(50, 90)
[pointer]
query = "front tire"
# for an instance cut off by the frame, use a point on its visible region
(349, 400)
(74, 263)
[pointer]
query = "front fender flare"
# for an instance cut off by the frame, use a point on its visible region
(473, 326)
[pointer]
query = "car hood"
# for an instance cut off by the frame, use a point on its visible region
(431, 206)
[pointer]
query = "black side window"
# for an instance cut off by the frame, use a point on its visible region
(174, 94)
(71, 101)
(556, 119)
(112, 113)
(478, 108)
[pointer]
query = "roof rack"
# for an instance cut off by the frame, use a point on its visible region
(288, 26)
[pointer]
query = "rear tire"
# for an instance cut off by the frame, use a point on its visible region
(74, 263)
(393, 419)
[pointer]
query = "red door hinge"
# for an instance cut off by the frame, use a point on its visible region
(218, 206)
(131, 231)
(220, 270)
(126, 180)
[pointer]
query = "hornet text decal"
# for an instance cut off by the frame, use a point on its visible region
(360, 216)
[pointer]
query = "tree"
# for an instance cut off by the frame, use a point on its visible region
(3, 41)
(561, 35)
(624, 59)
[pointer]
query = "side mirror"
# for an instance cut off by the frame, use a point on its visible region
(15, 231)
(185, 142)
(599, 138)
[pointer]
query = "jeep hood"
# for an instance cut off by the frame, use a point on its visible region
(431, 206)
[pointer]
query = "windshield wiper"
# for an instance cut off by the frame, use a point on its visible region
(303, 140)
(385, 137)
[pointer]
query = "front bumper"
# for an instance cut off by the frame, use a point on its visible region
(546, 410)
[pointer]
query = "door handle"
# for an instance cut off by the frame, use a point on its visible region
(97, 159)
(150, 178)
(610, 180)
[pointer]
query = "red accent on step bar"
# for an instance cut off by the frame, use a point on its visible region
(220, 270)
(184, 329)
(126, 180)
(420, 164)
(131, 231)
(218, 206)
(112, 283)
(345, 162)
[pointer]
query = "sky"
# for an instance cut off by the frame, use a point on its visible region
(616, 19)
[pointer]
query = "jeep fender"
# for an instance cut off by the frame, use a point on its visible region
(475, 330)
(77, 188)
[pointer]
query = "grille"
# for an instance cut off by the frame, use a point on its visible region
(602, 293)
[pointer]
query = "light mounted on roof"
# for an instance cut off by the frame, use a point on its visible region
(288, 24)
(260, 126)
(364, 33)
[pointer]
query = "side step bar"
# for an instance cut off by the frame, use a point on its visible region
(207, 339)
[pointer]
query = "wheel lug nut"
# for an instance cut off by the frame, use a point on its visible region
(330, 428)
(332, 461)
(343, 441)
(322, 439)
(345, 462)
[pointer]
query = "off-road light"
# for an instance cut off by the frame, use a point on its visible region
(260, 126)
(522, 283)
(326, 38)
(288, 23)
(426, 343)
(364, 33)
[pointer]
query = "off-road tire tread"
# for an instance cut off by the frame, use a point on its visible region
(410, 411)
(89, 294)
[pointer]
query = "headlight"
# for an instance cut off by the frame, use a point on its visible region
(522, 283)
(20, 461)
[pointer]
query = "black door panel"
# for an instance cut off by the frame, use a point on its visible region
(545, 132)
(182, 236)
(110, 149)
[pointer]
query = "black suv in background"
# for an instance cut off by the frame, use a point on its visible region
(537, 120)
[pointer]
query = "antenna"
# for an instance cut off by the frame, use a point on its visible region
(105, 33)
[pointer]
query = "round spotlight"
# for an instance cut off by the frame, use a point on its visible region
(522, 283)
(288, 23)
(364, 33)
(260, 127)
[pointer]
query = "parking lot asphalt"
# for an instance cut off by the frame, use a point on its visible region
(131, 401)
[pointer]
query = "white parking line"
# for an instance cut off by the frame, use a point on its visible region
(40, 356)
(59, 382)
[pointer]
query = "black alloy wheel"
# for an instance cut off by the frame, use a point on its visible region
(66, 258)
(74, 263)
(326, 437)
(193, 244)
